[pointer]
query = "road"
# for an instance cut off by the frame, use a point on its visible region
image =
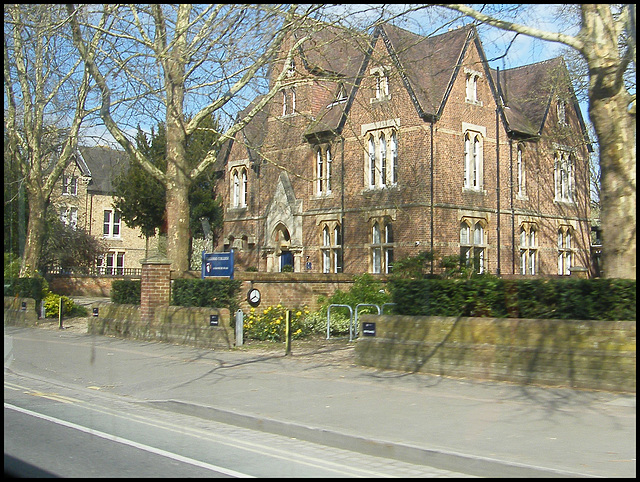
(313, 412)
(78, 430)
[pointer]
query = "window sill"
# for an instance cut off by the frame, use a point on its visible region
(474, 190)
(379, 100)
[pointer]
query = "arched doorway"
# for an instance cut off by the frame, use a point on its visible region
(282, 240)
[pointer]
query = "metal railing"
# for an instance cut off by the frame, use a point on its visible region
(94, 271)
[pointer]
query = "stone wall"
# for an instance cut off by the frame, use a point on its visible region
(598, 355)
(170, 324)
(17, 315)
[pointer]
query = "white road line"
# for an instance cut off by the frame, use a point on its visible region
(131, 443)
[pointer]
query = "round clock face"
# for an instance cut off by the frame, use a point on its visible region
(253, 297)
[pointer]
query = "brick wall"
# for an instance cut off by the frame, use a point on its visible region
(155, 288)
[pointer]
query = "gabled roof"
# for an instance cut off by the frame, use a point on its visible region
(427, 64)
(103, 165)
(527, 93)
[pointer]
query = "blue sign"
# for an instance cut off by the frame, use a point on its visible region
(217, 265)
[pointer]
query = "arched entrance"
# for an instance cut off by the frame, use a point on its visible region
(282, 242)
(283, 228)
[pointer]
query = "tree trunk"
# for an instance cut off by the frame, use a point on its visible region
(35, 234)
(616, 130)
(615, 127)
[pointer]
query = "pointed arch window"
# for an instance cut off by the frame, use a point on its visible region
(239, 187)
(382, 158)
(331, 250)
(382, 247)
(473, 160)
(324, 164)
(472, 244)
(528, 249)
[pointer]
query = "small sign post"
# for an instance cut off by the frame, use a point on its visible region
(369, 329)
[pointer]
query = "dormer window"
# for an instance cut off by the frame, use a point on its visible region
(381, 84)
(471, 86)
(561, 110)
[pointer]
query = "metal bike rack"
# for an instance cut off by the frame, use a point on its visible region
(356, 320)
(329, 319)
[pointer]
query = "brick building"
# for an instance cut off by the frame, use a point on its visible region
(375, 150)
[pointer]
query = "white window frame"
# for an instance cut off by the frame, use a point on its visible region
(382, 247)
(69, 186)
(331, 248)
(382, 158)
(565, 251)
(324, 164)
(473, 157)
(528, 249)
(472, 243)
(563, 176)
(112, 224)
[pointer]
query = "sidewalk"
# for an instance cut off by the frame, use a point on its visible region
(318, 394)
(484, 429)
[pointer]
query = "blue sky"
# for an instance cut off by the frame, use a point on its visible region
(523, 50)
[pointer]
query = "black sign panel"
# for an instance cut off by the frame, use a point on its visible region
(95, 312)
(369, 329)
(213, 320)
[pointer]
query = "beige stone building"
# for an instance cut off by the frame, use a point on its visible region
(84, 197)
(378, 150)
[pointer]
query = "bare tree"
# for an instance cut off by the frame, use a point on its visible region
(171, 63)
(607, 42)
(45, 94)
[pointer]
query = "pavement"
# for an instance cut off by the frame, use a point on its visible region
(318, 394)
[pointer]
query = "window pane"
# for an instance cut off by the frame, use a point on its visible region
(376, 260)
(106, 230)
(464, 233)
(376, 234)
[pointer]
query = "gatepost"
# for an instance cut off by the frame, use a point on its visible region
(155, 286)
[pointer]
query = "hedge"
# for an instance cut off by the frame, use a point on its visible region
(126, 291)
(185, 292)
(215, 293)
(24, 287)
(578, 299)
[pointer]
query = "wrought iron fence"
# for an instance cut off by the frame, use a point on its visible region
(95, 271)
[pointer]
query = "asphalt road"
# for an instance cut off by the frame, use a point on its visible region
(319, 412)
(68, 429)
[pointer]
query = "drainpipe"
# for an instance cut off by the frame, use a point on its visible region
(498, 184)
(342, 226)
(431, 194)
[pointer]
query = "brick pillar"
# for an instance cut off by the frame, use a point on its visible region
(155, 286)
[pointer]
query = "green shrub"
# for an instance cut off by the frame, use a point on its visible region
(215, 293)
(581, 299)
(34, 288)
(126, 292)
(52, 305)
